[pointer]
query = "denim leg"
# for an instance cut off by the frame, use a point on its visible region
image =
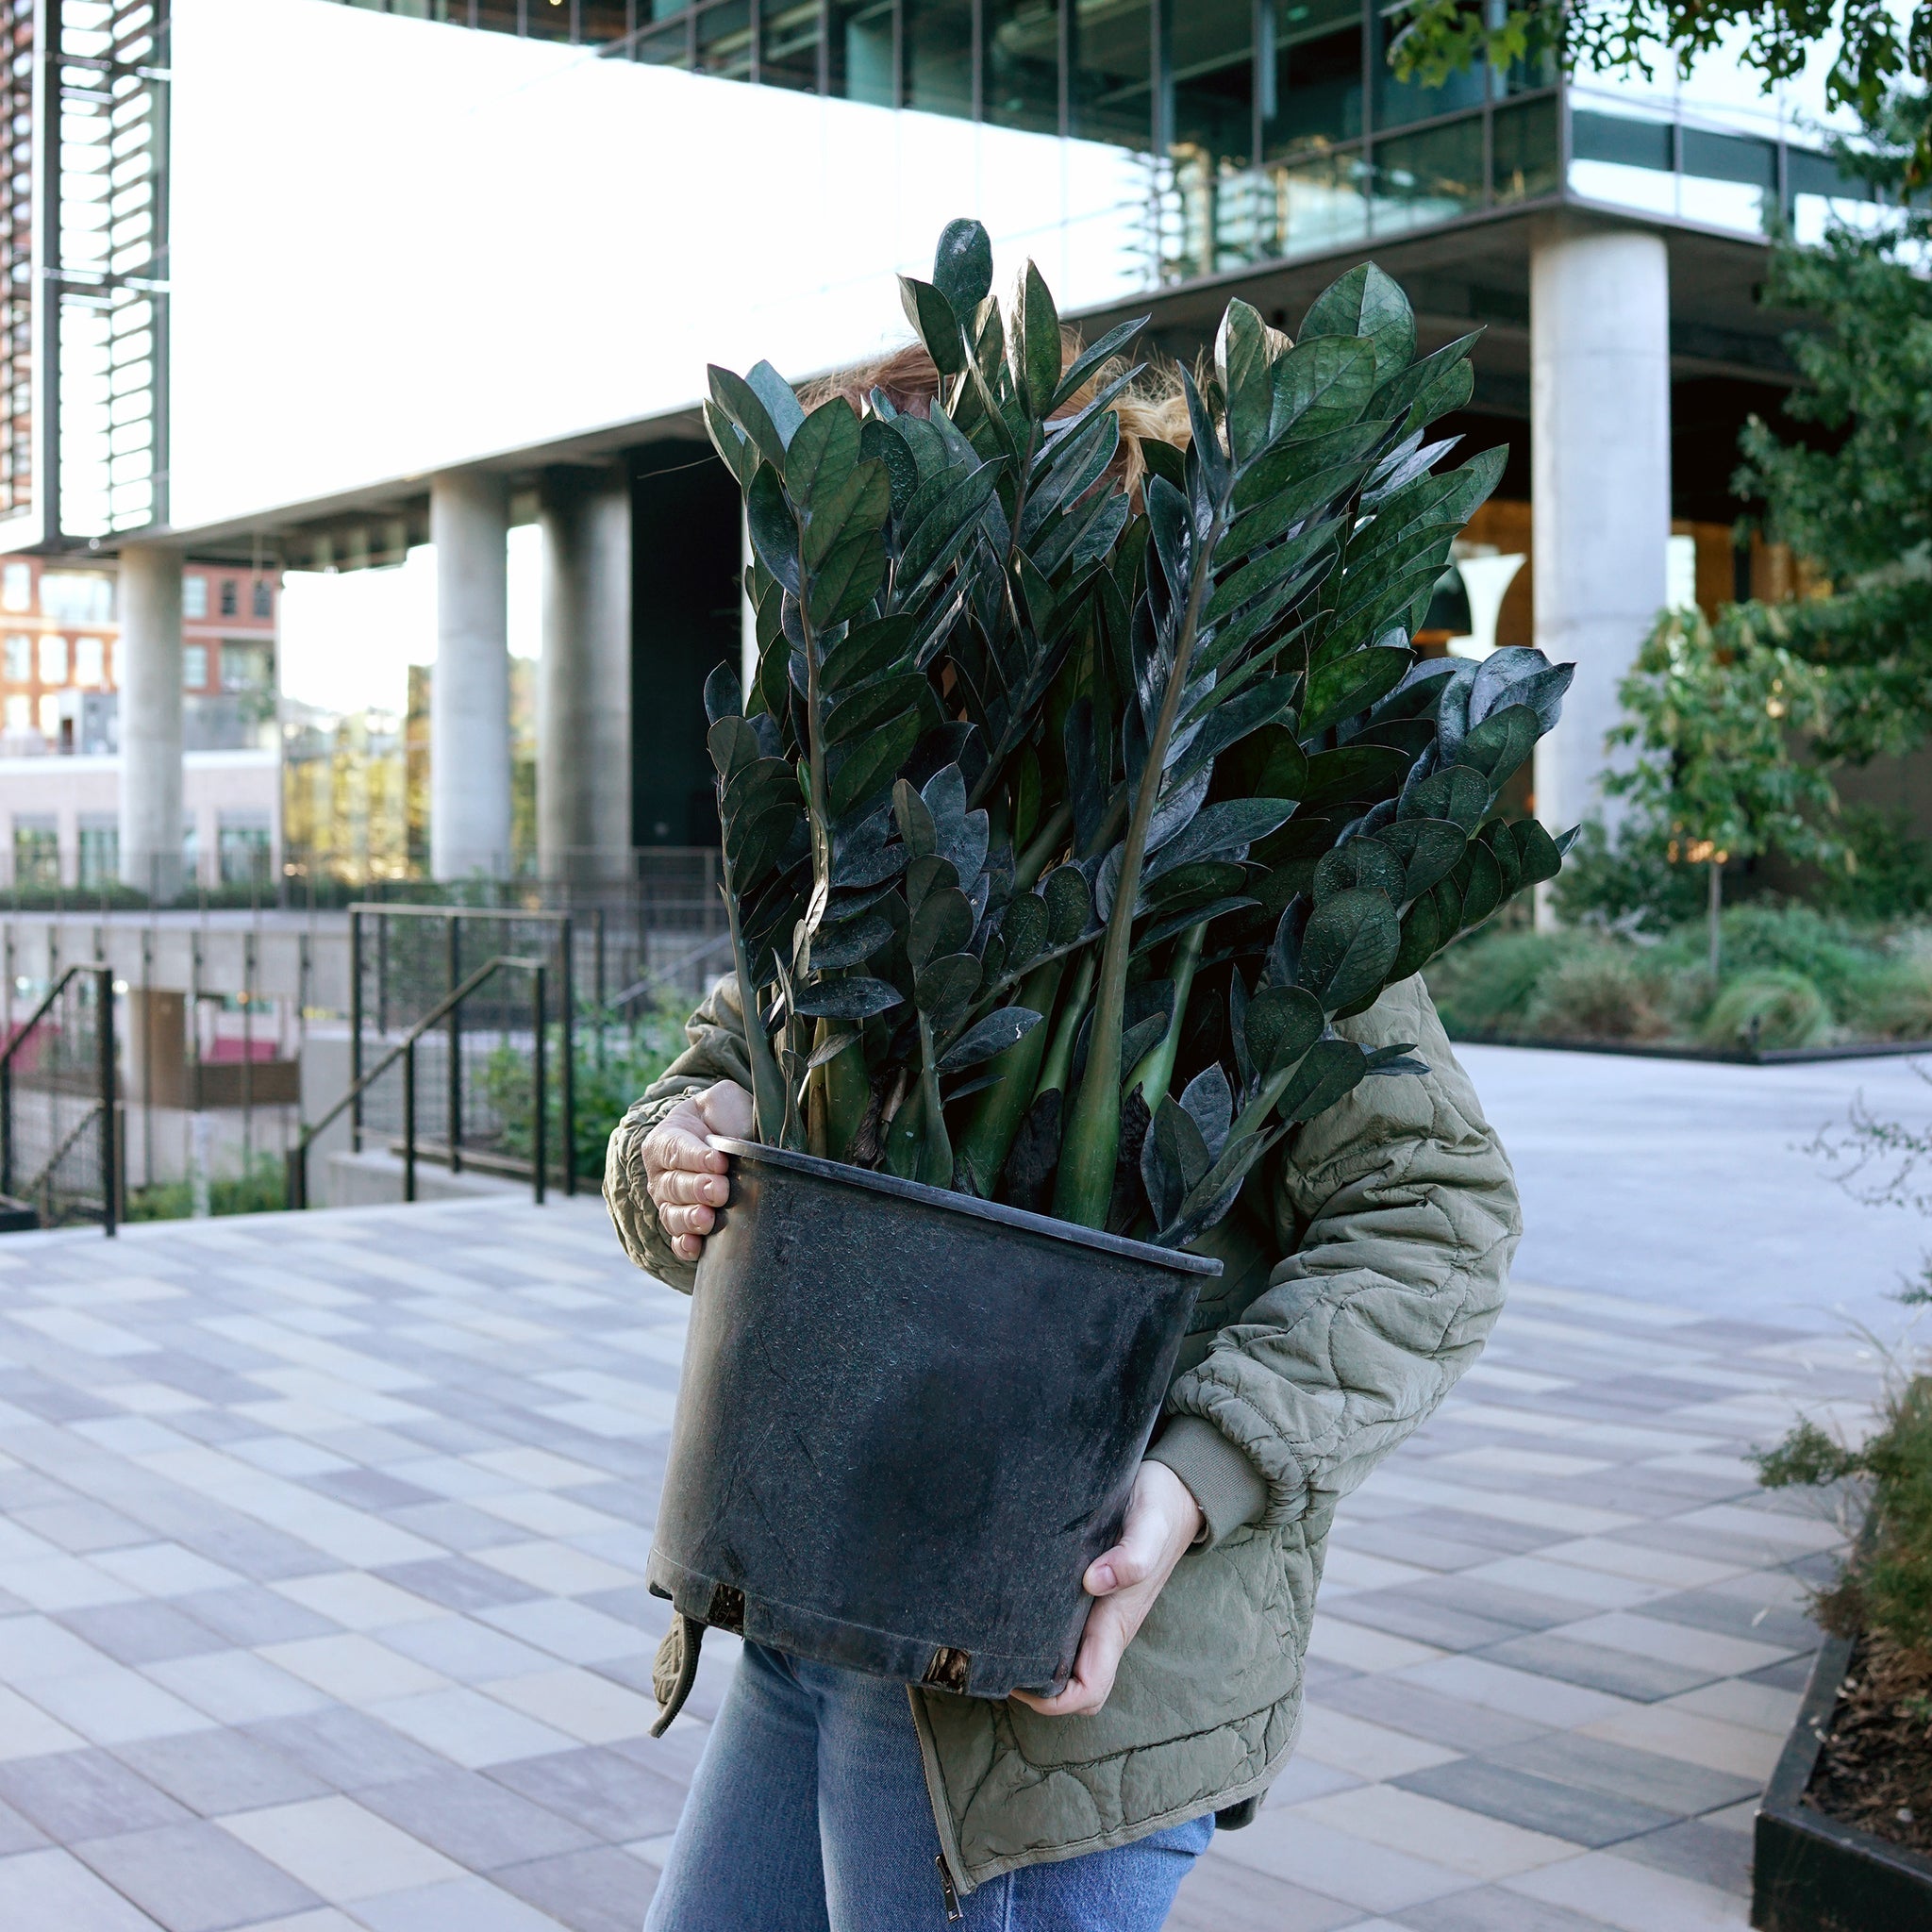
(1128, 1889)
(746, 1851)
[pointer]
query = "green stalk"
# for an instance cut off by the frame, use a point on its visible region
(1059, 1059)
(1084, 1186)
(1154, 1074)
(988, 1138)
(936, 1148)
(848, 1092)
(905, 1138)
(767, 1083)
(1041, 846)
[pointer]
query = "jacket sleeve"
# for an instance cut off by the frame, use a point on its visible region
(1408, 1215)
(716, 1052)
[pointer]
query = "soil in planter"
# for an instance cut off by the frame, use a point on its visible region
(1876, 1768)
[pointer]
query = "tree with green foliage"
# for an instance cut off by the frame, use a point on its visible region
(1874, 54)
(1717, 712)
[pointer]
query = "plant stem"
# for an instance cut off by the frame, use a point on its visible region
(1084, 1186)
(1154, 1074)
(767, 1083)
(988, 1139)
(1059, 1059)
(1041, 846)
(936, 1149)
(848, 1091)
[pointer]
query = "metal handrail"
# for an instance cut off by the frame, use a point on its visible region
(297, 1192)
(104, 1061)
(453, 915)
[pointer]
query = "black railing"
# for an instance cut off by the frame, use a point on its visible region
(404, 1052)
(60, 1149)
(408, 962)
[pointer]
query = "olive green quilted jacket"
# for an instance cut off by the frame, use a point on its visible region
(1359, 1286)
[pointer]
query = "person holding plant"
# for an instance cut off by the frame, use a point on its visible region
(1086, 826)
(825, 1799)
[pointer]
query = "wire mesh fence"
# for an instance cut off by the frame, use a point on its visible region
(59, 1160)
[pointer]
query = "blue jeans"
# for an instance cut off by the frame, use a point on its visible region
(809, 1813)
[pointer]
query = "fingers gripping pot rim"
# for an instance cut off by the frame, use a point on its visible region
(909, 1419)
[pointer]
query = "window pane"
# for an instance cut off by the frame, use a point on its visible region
(1621, 139)
(788, 46)
(1716, 156)
(499, 16)
(549, 19)
(1212, 51)
(193, 667)
(724, 41)
(1320, 204)
(670, 46)
(602, 20)
(1523, 151)
(1023, 64)
(862, 53)
(1111, 82)
(1428, 177)
(938, 56)
(1398, 103)
(1311, 89)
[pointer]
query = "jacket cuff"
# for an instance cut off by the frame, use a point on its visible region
(1222, 1480)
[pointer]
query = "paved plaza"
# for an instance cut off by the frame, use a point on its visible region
(321, 1600)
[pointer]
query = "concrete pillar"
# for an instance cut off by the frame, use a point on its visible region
(583, 680)
(1599, 442)
(150, 657)
(469, 692)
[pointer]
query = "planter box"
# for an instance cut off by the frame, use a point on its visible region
(1811, 1873)
(908, 1422)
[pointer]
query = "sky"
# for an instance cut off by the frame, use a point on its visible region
(349, 636)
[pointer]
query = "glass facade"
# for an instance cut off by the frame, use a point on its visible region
(1273, 127)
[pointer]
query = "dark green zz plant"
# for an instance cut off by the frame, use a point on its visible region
(1060, 828)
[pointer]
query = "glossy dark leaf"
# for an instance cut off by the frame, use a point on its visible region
(737, 400)
(1279, 1026)
(867, 710)
(1428, 849)
(868, 768)
(1541, 859)
(942, 924)
(1035, 344)
(1458, 793)
(1348, 947)
(1219, 832)
(1208, 1101)
(849, 578)
(1499, 744)
(947, 528)
(774, 534)
(1024, 926)
(779, 398)
(936, 322)
(850, 941)
(1401, 389)
(1352, 684)
(1241, 363)
(945, 987)
(1323, 383)
(1422, 939)
(1069, 905)
(962, 267)
(865, 651)
(823, 452)
(733, 744)
(857, 505)
(1518, 676)
(1092, 358)
(1479, 879)
(1354, 771)
(1502, 845)
(1331, 1072)
(989, 1036)
(854, 997)
(1360, 864)
(1368, 303)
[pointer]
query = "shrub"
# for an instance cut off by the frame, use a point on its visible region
(1890, 873)
(1774, 1007)
(1486, 984)
(1893, 998)
(1597, 994)
(261, 1189)
(1629, 881)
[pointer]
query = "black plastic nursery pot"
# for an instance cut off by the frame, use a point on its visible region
(909, 1419)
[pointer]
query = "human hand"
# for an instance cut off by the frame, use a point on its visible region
(684, 1174)
(1162, 1519)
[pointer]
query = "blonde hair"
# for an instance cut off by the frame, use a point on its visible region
(1152, 409)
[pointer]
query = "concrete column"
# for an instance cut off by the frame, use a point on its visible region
(583, 680)
(1600, 441)
(150, 657)
(469, 692)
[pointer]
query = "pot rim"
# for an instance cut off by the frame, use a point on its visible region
(968, 1205)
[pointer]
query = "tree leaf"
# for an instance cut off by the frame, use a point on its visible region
(733, 744)
(774, 534)
(989, 1036)
(1499, 744)
(937, 322)
(1240, 362)
(851, 998)
(942, 924)
(1069, 905)
(1024, 926)
(1331, 1071)
(1458, 793)
(823, 452)
(1034, 343)
(868, 708)
(1349, 944)
(1208, 1101)
(851, 941)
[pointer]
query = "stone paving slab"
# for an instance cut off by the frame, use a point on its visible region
(322, 1545)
